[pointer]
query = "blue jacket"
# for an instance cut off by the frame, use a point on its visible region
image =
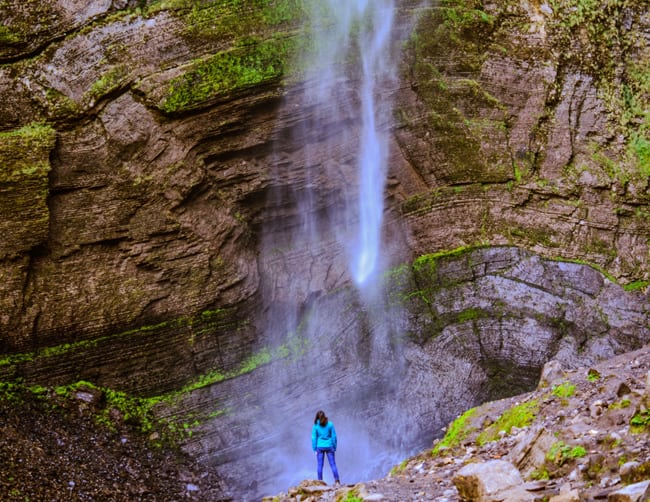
(323, 437)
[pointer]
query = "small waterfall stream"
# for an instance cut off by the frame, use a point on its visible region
(365, 27)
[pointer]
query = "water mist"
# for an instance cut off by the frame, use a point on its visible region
(321, 251)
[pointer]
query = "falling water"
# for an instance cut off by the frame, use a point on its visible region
(359, 29)
(373, 149)
(326, 236)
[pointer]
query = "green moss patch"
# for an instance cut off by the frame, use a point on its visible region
(237, 19)
(564, 390)
(22, 21)
(24, 187)
(145, 412)
(520, 415)
(24, 153)
(205, 322)
(457, 432)
(229, 71)
(560, 453)
(640, 422)
(259, 38)
(448, 47)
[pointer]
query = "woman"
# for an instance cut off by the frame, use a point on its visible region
(323, 440)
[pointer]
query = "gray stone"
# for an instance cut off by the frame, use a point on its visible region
(566, 496)
(483, 481)
(628, 468)
(638, 492)
(551, 373)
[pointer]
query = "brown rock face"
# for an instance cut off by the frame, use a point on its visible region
(148, 227)
(523, 119)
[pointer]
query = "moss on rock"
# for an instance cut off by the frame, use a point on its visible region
(448, 48)
(24, 168)
(259, 38)
(229, 71)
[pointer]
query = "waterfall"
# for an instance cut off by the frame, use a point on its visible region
(348, 31)
(373, 151)
(322, 249)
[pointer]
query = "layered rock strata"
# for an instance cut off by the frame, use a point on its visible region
(142, 147)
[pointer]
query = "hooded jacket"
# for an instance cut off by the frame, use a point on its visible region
(323, 436)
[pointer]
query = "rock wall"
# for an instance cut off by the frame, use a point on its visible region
(142, 150)
(526, 126)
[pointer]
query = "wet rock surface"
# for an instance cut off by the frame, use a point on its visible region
(565, 451)
(132, 225)
(153, 215)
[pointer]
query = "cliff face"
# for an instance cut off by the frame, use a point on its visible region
(142, 142)
(531, 122)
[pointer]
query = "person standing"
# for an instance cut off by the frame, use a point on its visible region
(323, 441)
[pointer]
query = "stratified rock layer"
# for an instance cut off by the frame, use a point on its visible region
(173, 152)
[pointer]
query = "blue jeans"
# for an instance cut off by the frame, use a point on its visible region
(320, 453)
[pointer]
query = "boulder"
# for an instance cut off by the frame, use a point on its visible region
(638, 492)
(484, 481)
(551, 373)
(566, 495)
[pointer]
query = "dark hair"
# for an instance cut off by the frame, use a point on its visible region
(320, 417)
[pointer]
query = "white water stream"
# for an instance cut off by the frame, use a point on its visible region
(334, 241)
(357, 32)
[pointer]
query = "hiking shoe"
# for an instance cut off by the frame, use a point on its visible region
(337, 483)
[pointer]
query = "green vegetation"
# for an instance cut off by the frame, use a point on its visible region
(40, 133)
(133, 410)
(541, 473)
(263, 38)
(406, 283)
(564, 390)
(518, 416)
(24, 151)
(352, 496)
(293, 347)
(595, 266)
(399, 468)
(19, 26)
(461, 112)
(24, 168)
(471, 314)
(638, 473)
(229, 71)
(108, 82)
(560, 453)
(205, 321)
(619, 405)
(119, 407)
(458, 430)
(140, 411)
(593, 375)
(237, 19)
(428, 261)
(640, 421)
(9, 36)
(636, 285)
(13, 392)
(600, 55)
(461, 15)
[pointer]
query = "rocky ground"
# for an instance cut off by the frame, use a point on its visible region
(52, 448)
(581, 435)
